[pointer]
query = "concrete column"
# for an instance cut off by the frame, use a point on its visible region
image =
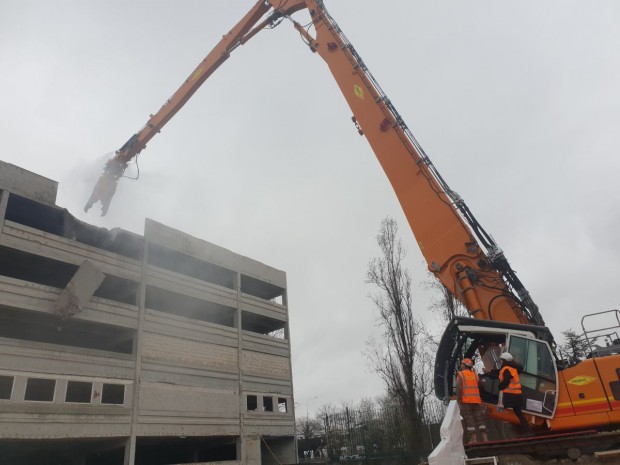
(291, 400)
(19, 389)
(130, 448)
(241, 442)
(239, 449)
(4, 200)
(252, 450)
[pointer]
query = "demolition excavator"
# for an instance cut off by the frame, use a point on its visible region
(459, 252)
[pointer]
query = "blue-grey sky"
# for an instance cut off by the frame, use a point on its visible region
(517, 104)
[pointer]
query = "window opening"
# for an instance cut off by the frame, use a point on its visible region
(252, 402)
(187, 265)
(35, 268)
(59, 222)
(118, 289)
(262, 290)
(186, 306)
(35, 215)
(268, 404)
(113, 394)
(6, 387)
(282, 405)
(260, 324)
(49, 329)
(40, 390)
(79, 392)
(278, 334)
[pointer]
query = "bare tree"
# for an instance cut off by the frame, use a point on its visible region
(401, 360)
(307, 427)
(444, 303)
(326, 409)
(575, 348)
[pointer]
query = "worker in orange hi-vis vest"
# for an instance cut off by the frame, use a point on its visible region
(468, 397)
(510, 386)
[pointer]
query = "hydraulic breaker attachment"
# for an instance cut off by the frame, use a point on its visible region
(106, 185)
(114, 168)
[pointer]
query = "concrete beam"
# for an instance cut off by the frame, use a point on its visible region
(80, 289)
(27, 184)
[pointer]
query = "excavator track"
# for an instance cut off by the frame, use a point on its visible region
(589, 446)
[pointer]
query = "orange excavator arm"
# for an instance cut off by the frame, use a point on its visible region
(245, 29)
(457, 249)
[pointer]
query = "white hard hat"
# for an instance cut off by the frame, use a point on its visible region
(506, 356)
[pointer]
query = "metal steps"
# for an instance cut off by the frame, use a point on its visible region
(607, 455)
(481, 461)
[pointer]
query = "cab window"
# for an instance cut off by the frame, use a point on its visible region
(538, 378)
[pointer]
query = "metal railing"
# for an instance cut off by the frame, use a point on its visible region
(372, 432)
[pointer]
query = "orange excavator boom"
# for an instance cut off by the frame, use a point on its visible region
(464, 258)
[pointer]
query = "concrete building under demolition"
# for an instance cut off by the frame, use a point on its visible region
(117, 348)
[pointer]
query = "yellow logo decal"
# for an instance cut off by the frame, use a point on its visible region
(359, 92)
(198, 73)
(581, 380)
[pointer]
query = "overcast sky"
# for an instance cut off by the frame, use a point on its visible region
(517, 104)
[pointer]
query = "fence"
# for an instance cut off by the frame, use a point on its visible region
(372, 432)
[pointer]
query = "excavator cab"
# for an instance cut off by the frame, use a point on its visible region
(484, 341)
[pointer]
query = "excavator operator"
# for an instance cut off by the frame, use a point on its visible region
(510, 386)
